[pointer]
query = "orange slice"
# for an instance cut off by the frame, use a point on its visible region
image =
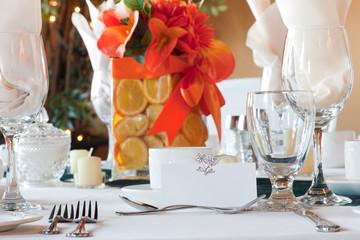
(153, 141)
(153, 111)
(194, 129)
(131, 126)
(163, 137)
(128, 97)
(180, 141)
(158, 90)
(133, 153)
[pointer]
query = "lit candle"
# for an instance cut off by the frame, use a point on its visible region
(74, 156)
(89, 171)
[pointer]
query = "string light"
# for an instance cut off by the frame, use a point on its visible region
(53, 3)
(77, 9)
(68, 131)
(52, 18)
(80, 137)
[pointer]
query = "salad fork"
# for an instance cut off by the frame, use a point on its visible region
(65, 217)
(89, 218)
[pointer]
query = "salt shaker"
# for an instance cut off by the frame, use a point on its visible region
(236, 140)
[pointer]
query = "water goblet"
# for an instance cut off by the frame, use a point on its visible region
(281, 125)
(318, 59)
(23, 90)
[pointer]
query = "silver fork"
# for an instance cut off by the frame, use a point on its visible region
(80, 230)
(89, 218)
(233, 210)
(65, 217)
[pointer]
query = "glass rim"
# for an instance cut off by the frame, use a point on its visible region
(21, 33)
(317, 27)
(280, 91)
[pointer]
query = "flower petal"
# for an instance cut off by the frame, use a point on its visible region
(162, 44)
(110, 18)
(220, 59)
(110, 40)
(113, 40)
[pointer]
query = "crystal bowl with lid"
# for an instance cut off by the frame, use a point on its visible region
(42, 154)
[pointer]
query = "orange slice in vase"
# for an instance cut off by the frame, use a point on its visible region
(134, 126)
(158, 90)
(133, 153)
(194, 129)
(128, 97)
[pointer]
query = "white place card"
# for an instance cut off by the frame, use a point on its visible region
(221, 185)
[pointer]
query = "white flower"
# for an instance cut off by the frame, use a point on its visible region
(122, 10)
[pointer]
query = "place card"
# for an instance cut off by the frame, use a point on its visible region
(221, 185)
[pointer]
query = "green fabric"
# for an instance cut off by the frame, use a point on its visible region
(300, 188)
(126, 182)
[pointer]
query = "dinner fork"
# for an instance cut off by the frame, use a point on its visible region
(88, 218)
(65, 217)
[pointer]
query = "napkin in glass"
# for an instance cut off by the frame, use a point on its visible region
(17, 94)
(328, 81)
(266, 39)
(101, 82)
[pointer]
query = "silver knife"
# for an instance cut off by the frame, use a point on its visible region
(322, 225)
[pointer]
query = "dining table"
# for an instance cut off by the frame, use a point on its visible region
(184, 224)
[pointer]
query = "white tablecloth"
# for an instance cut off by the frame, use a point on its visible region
(178, 225)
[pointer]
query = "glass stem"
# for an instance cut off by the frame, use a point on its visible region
(282, 190)
(12, 188)
(319, 183)
(110, 157)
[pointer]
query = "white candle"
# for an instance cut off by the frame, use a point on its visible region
(74, 156)
(89, 171)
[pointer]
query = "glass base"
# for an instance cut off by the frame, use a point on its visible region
(271, 205)
(317, 197)
(19, 205)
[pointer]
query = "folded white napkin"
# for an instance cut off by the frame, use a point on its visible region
(302, 13)
(329, 79)
(266, 39)
(101, 82)
(20, 16)
(18, 92)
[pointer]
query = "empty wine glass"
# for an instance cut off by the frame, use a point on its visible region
(281, 125)
(318, 59)
(23, 89)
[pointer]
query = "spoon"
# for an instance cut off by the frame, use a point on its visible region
(137, 204)
(147, 208)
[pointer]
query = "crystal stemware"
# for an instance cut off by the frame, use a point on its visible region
(318, 59)
(101, 100)
(23, 89)
(281, 125)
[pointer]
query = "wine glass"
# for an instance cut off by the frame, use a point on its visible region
(318, 59)
(281, 125)
(23, 89)
(101, 100)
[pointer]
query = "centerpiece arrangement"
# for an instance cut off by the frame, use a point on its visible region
(165, 66)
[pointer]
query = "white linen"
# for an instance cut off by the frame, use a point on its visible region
(195, 224)
(19, 88)
(101, 82)
(266, 39)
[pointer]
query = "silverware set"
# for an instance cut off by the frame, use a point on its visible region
(322, 225)
(73, 216)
